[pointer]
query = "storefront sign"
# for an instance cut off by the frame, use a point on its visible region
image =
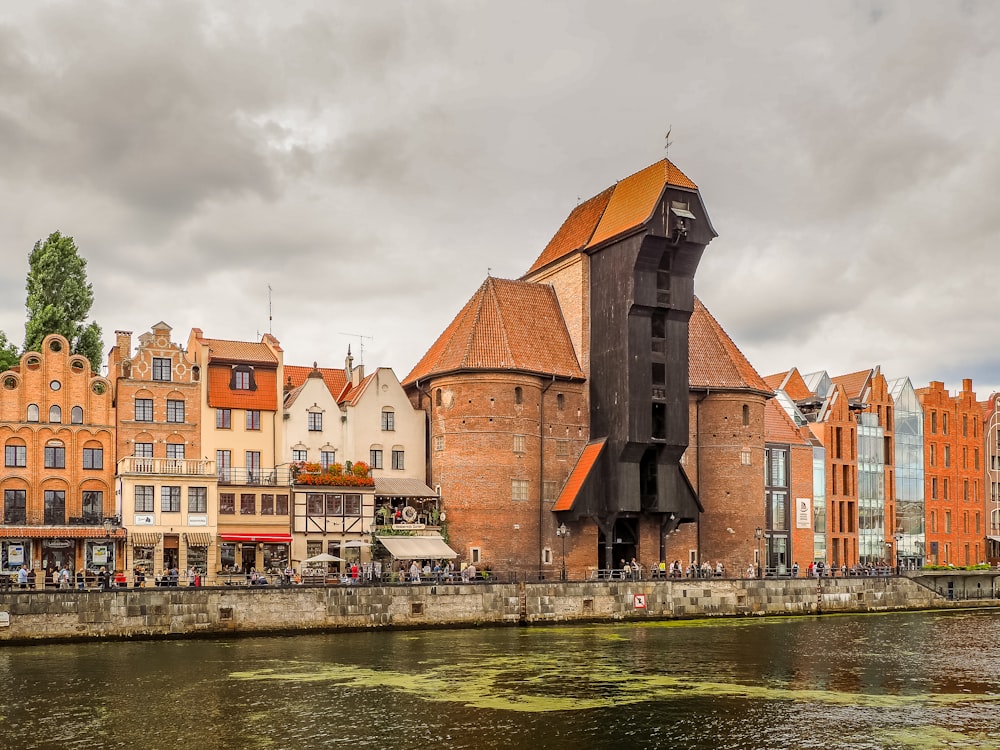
(143, 520)
(15, 555)
(197, 520)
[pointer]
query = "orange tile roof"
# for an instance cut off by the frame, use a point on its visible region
(626, 205)
(714, 360)
(335, 379)
(854, 382)
(579, 474)
(249, 352)
(779, 427)
(220, 396)
(507, 325)
(352, 394)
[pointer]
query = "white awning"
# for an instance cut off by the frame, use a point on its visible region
(417, 547)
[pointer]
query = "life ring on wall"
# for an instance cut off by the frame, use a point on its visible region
(409, 514)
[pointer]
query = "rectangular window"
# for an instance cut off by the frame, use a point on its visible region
(161, 368)
(93, 505)
(248, 505)
(175, 410)
(550, 489)
(934, 423)
(777, 467)
(314, 504)
(253, 419)
(15, 455)
(562, 447)
(439, 442)
(519, 489)
(197, 499)
(281, 505)
(55, 457)
(934, 488)
(175, 450)
(745, 458)
(397, 460)
(327, 458)
(334, 505)
(170, 499)
(223, 419)
(933, 454)
(352, 505)
(519, 444)
(144, 410)
(241, 380)
(15, 506)
(267, 505)
(945, 487)
(315, 421)
(475, 556)
(227, 503)
(388, 420)
(947, 456)
(299, 455)
(947, 522)
(55, 507)
(224, 465)
(143, 450)
(375, 455)
(93, 458)
(143, 499)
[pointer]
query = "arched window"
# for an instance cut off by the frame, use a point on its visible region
(437, 397)
(32, 412)
(746, 415)
(76, 415)
(55, 414)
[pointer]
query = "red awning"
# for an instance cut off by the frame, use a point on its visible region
(265, 538)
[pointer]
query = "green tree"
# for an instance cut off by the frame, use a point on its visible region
(8, 353)
(60, 298)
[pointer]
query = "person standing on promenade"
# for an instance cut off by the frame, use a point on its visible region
(22, 577)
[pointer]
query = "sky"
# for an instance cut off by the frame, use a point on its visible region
(348, 174)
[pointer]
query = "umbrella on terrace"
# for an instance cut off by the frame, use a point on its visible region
(323, 558)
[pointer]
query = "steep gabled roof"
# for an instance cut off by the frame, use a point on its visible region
(507, 325)
(714, 361)
(249, 352)
(854, 383)
(779, 427)
(626, 205)
(579, 475)
(352, 394)
(335, 379)
(791, 383)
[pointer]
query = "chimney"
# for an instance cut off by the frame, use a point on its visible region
(123, 340)
(349, 366)
(966, 385)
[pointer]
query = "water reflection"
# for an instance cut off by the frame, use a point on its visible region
(896, 680)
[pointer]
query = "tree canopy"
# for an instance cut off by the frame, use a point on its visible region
(60, 298)
(8, 353)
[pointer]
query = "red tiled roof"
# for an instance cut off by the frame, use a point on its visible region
(714, 361)
(335, 379)
(507, 325)
(854, 382)
(240, 351)
(779, 427)
(579, 474)
(351, 394)
(221, 396)
(626, 205)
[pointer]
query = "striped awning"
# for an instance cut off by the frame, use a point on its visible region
(198, 539)
(145, 538)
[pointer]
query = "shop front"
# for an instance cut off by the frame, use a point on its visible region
(245, 552)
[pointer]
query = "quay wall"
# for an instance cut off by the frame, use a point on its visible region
(34, 616)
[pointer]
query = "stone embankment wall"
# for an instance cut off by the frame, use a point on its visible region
(154, 613)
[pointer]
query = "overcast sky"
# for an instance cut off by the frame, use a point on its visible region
(372, 162)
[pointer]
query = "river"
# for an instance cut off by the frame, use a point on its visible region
(897, 680)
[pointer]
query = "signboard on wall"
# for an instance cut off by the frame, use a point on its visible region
(803, 513)
(15, 554)
(100, 554)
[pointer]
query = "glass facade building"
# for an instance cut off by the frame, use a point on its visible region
(908, 533)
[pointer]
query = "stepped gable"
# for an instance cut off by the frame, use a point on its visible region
(507, 325)
(615, 211)
(714, 360)
(791, 383)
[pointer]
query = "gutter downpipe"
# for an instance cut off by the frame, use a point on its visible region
(697, 466)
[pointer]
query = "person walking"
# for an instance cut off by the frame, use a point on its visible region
(22, 577)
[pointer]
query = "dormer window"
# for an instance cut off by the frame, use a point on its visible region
(242, 379)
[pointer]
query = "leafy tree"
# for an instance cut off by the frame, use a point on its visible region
(60, 298)
(8, 353)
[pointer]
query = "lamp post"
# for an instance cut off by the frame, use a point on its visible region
(562, 532)
(898, 538)
(109, 525)
(759, 536)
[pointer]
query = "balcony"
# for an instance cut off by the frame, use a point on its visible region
(166, 466)
(254, 476)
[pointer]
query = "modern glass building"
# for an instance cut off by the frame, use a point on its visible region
(908, 535)
(872, 546)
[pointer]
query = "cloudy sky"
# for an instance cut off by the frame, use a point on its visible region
(370, 163)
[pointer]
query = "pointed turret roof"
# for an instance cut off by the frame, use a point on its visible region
(714, 360)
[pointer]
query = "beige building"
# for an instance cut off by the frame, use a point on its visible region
(241, 429)
(166, 484)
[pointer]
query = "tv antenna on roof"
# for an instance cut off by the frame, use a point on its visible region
(667, 143)
(361, 344)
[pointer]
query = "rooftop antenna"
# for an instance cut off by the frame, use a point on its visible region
(269, 318)
(361, 344)
(667, 143)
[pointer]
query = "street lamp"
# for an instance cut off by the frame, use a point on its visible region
(898, 537)
(562, 532)
(759, 536)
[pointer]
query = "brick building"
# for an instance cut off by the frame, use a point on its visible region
(957, 509)
(57, 426)
(166, 484)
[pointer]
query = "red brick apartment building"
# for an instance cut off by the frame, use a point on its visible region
(958, 514)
